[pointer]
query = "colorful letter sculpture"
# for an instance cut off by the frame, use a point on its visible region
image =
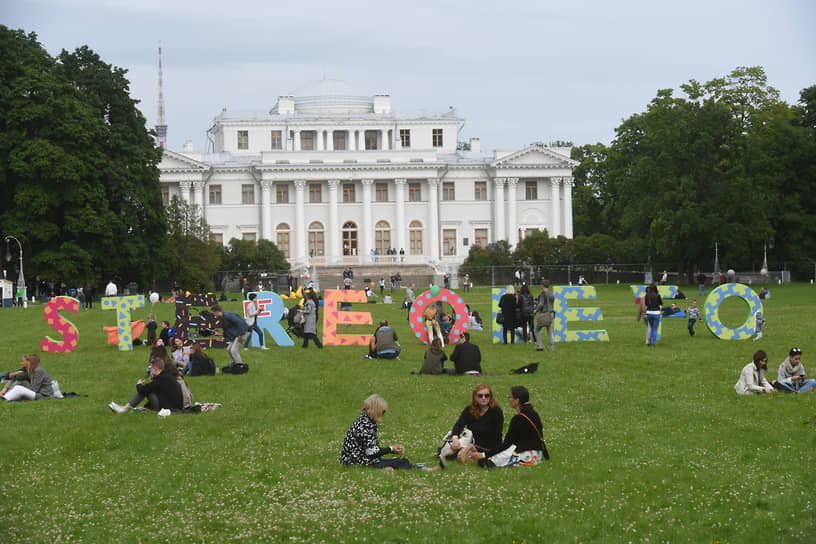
(564, 314)
(332, 316)
(68, 330)
(271, 310)
(712, 311)
(447, 296)
(204, 321)
(495, 296)
(123, 305)
(665, 291)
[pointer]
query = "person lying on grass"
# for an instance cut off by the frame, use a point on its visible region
(38, 386)
(162, 391)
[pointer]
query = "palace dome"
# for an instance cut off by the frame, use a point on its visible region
(331, 96)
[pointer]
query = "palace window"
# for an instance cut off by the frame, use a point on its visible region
(349, 193)
(316, 239)
(415, 238)
(340, 143)
(282, 238)
(531, 190)
(480, 237)
(277, 140)
(480, 190)
(448, 242)
(243, 139)
(448, 190)
(382, 237)
(371, 139)
(315, 196)
(307, 140)
(381, 192)
(349, 238)
(282, 193)
(248, 237)
(415, 192)
(405, 138)
(437, 137)
(247, 194)
(166, 196)
(217, 237)
(215, 194)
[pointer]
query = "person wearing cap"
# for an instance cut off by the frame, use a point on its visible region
(791, 377)
(752, 378)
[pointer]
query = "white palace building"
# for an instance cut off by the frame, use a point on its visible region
(338, 179)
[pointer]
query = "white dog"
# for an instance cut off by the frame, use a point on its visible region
(446, 451)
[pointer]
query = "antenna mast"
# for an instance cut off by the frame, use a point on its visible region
(161, 125)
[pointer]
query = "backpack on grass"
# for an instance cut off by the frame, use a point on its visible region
(236, 368)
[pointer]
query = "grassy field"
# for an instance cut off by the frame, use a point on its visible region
(647, 444)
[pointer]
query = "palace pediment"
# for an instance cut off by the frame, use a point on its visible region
(535, 156)
(173, 161)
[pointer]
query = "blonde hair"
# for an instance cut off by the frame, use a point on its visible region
(510, 290)
(375, 407)
(33, 361)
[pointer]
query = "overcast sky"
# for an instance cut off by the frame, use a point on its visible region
(517, 72)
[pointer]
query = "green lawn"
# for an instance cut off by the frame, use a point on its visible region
(647, 445)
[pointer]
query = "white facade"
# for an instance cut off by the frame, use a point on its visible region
(336, 179)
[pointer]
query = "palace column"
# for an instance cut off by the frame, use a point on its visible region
(330, 140)
(568, 206)
(333, 250)
(202, 196)
(318, 146)
(498, 204)
(366, 228)
(296, 140)
(266, 210)
(556, 207)
(185, 190)
(433, 214)
(512, 209)
(400, 186)
(299, 228)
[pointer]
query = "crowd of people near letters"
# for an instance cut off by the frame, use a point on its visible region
(476, 436)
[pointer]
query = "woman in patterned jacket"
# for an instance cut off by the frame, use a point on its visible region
(362, 444)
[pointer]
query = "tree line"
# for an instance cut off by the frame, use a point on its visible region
(724, 162)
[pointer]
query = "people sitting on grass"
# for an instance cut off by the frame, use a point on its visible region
(791, 377)
(484, 418)
(384, 343)
(181, 354)
(475, 321)
(162, 391)
(669, 311)
(467, 357)
(362, 444)
(752, 378)
(435, 358)
(524, 443)
(200, 363)
(33, 384)
(167, 333)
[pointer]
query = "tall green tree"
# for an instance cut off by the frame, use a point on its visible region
(77, 165)
(193, 256)
(248, 256)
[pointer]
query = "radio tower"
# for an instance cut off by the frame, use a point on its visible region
(161, 125)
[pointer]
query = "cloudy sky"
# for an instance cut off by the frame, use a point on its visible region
(516, 71)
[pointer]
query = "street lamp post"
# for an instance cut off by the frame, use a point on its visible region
(21, 286)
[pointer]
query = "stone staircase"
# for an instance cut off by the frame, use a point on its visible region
(331, 277)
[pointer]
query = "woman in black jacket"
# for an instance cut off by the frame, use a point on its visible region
(507, 306)
(523, 444)
(162, 391)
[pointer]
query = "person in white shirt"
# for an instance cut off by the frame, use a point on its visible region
(110, 289)
(752, 379)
